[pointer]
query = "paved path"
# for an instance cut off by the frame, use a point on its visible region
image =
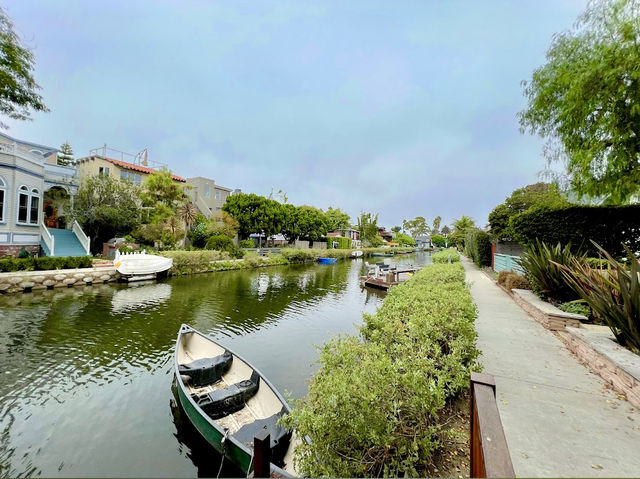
(558, 418)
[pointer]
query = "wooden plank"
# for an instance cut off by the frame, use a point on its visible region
(262, 455)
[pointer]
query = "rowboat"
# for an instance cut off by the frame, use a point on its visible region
(382, 255)
(230, 402)
(327, 260)
(357, 254)
(136, 266)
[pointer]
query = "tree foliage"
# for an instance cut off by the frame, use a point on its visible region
(255, 214)
(522, 199)
(586, 101)
(18, 89)
(337, 219)
(460, 228)
(368, 228)
(417, 226)
(106, 208)
(436, 225)
(402, 238)
(65, 155)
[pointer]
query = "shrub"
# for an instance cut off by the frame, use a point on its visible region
(343, 243)
(502, 276)
(516, 281)
(477, 245)
(44, 263)
(224, 243)
(375, 407)
(608, 226)
(247, 243)
(299, 255)
(188, 262)
(576, 307)
(439, 241)
(613, 294)
(445, 255)
(542, 265)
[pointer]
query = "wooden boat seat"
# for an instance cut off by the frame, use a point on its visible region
(222, 402)
(206, 370)
(280, 436)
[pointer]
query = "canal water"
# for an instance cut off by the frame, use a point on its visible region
(86, 377)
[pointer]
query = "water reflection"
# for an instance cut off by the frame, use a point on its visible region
(88, 370)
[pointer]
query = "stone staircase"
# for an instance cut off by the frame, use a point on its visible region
(66, 243)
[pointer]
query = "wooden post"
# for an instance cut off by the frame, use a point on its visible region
(262, 454)
(489, 451)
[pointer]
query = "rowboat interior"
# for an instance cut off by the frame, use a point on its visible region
(234, 396)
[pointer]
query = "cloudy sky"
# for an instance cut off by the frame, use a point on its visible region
(400, 108)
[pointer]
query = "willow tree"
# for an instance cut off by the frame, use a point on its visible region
(585, 101)
(18, 88)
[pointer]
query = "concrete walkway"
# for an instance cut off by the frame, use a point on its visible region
(559, 419)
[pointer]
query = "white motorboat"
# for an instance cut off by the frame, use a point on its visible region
(140, 265)
(357, 254)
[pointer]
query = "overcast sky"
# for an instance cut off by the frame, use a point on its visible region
(401, 108)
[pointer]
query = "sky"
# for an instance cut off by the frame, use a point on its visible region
(400, 108)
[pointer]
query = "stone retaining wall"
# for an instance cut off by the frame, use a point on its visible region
(25, 281)
(598, 350)
(546, 314)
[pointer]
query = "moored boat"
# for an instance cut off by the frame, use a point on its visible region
(383, 255)
(357, 254)
(229, 402)
(140, 265)
(327, 260)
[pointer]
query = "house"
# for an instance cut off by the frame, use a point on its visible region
(386, 235)
(350, 233)
(423, 241)
(208, 196)
(135, 171)
(31, 187)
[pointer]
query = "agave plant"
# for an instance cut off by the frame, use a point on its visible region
(542, 265)
(613, 293)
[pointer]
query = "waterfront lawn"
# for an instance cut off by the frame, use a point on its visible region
(380, 404)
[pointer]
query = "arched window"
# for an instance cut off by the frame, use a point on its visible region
(3, 199)
(28, 205)
(35, 207)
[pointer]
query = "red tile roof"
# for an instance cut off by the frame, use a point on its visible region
(140, 168)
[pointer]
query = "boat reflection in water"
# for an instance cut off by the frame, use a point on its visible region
(203, 455)
(140, 295)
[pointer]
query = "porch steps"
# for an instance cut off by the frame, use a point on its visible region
(66, 243)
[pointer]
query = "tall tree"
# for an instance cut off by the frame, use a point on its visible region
(417, 226)
(65, 155)
(337, 219)
(446, 231)
(460, 228)
(105, 208)
(255, 214)
(586, 101)
(436, 225)
(368, 229)
(18, 89)
(396, 229)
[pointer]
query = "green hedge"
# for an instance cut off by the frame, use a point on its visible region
(609, 226)
(438, 240)
(343, 243)
(376, 406)
(477, 246)
(444, 255)
(44, 263)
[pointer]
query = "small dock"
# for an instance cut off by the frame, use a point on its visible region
(385, 279)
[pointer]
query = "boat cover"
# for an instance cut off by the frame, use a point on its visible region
(280, 436)
(206, 370)
(222, 402)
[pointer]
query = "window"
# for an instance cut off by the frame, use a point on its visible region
(217, 195)
(103, 170)
(35, 207)
(207, 191)
(3, 198)
(28, 205)
(134, 178)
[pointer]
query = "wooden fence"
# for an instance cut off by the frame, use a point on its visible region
(489, 451)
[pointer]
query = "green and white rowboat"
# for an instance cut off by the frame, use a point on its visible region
(229, 402)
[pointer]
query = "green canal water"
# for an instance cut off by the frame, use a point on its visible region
(86, 377)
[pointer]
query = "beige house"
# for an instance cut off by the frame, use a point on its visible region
(207, 195)
(94, 165)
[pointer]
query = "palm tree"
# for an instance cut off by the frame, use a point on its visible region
(187, 213)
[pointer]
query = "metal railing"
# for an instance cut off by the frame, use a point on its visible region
(489, 451)
(48, 239)
(83, 238)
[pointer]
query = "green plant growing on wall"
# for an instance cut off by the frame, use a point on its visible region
(613, 293)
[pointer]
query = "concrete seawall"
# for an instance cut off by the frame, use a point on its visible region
(25, 281)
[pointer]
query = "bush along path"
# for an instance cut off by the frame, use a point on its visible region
(559, 419)
(380, 405)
